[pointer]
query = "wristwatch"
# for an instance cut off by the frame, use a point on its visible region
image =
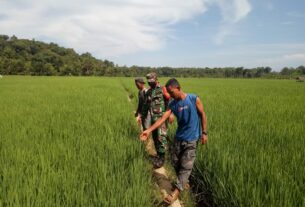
(205, 133)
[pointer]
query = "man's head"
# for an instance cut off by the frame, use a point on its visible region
(173, 88)
(139, 83)
(152, 79)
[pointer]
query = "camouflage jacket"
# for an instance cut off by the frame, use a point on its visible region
(154, 102)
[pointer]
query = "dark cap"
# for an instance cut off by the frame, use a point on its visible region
(139, 80)
(151, 77)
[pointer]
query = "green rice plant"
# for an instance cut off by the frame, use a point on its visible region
(255, 154)
(67, 141)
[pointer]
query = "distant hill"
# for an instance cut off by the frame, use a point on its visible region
(31, 57)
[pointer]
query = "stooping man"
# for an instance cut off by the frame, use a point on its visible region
(155, 104)
(192, 125)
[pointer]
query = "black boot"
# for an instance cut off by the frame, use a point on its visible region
(158, 161)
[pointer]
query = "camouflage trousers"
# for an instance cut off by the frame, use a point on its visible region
(159, 136)
(183, 154)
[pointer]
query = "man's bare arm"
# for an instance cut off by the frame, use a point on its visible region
(156, 125)
(200, 109)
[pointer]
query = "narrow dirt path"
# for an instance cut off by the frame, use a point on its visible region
(159, 174)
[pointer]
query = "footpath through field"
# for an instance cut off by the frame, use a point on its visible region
(160, 174)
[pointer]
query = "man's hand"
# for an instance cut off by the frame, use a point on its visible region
(157, 124)
(139, 121)
(144, 135)
(171, 119)
(204, 139)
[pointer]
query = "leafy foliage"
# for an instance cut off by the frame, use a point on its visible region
(30, 57)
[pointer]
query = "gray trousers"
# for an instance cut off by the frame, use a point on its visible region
(183, 156)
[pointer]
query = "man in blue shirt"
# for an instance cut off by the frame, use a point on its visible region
(192, 125)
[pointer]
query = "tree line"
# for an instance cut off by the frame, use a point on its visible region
(31, 57)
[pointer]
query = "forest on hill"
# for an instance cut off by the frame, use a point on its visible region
(31, 57)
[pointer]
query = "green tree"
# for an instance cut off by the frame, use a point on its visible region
(301, 69)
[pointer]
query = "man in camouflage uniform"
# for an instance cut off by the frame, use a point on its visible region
(155, 104)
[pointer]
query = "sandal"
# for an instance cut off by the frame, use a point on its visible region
(170, 198)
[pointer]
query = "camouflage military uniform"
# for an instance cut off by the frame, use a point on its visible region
(153, 108)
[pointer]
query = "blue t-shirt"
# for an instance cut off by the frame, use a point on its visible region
(187, 117)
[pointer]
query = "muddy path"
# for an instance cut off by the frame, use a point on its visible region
(161, 176)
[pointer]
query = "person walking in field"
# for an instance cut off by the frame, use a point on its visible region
(141, 120)
(192, 126)
(155, 103)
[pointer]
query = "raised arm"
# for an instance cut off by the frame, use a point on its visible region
(203, 118)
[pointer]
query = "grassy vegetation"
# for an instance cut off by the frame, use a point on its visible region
(255, 155)
(68, 141)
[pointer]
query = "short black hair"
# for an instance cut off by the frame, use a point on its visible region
(173, 83)
(139, 80)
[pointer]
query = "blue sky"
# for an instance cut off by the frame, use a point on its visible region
(177, 33)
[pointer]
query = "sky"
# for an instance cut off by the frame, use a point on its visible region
(174, 33)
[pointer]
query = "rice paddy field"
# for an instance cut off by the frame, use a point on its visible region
(72, 141)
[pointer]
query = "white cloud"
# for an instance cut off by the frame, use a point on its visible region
(109, 27)
(295, 57)
(295, 14)
(276, 56)
(232, 12)
(225, 30)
